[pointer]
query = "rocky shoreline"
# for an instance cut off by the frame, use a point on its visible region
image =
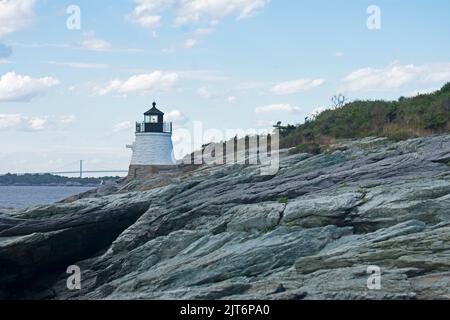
(227, 232)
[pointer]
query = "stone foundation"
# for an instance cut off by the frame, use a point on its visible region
(141, 171)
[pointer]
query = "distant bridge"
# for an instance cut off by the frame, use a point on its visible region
(80, 171)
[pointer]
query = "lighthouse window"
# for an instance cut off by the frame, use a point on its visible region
(154, 119)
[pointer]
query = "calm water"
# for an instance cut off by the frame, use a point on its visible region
(20, 197)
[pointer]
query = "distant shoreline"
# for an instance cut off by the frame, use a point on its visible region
(49, 180)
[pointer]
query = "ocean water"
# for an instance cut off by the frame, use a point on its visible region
(21, 197)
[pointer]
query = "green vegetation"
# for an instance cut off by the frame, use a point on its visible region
(362, 190)
(422, 115)
(267, 229)
(283, 200)
(291, 225)
(307, 147)
(48, 180)
(400, 136)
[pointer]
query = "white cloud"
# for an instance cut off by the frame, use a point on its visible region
(290, 87)
(67, 120)
(277, 108)
(123, 126)
(176, 116)
(147, 13)
(339, 54)
(15, 15)
(96, 44)
(148, 21)
(39, 123)
(91, 42)
(395, 76)
(214, 10)
(143, 83)
(8, 121)
(15, 87)
(190, 43)
(79, 65)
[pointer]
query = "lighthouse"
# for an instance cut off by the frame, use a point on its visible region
(153, 148)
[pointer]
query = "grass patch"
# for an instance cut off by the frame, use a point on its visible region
(362, 190)
(291, 225)
(267, 229)
(307, 147)
(283, 200)
(400, 136)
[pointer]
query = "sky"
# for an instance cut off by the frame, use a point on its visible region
(76, 75)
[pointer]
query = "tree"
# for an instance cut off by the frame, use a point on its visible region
(338, 100)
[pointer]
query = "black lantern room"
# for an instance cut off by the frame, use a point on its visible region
(154, 122)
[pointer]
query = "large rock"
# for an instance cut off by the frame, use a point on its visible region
(320, 211)
(227, 232)
(34, 248)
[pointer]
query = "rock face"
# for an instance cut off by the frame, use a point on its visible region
(309, 232)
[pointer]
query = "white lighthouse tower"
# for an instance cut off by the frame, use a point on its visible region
(153, 148)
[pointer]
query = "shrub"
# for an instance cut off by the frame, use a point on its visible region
(400, 136)
(283, 200)
(422, 115)
(267, 229)
(307, 147)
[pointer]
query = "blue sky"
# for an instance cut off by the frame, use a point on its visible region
(67, 94)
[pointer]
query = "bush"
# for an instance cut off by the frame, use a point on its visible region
(308, 147)
(400, 136)
(446, 88)
(283, 200)
(423, 114)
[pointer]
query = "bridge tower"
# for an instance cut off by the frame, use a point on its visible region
(152, 148)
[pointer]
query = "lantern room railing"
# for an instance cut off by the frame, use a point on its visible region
(165, 127)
